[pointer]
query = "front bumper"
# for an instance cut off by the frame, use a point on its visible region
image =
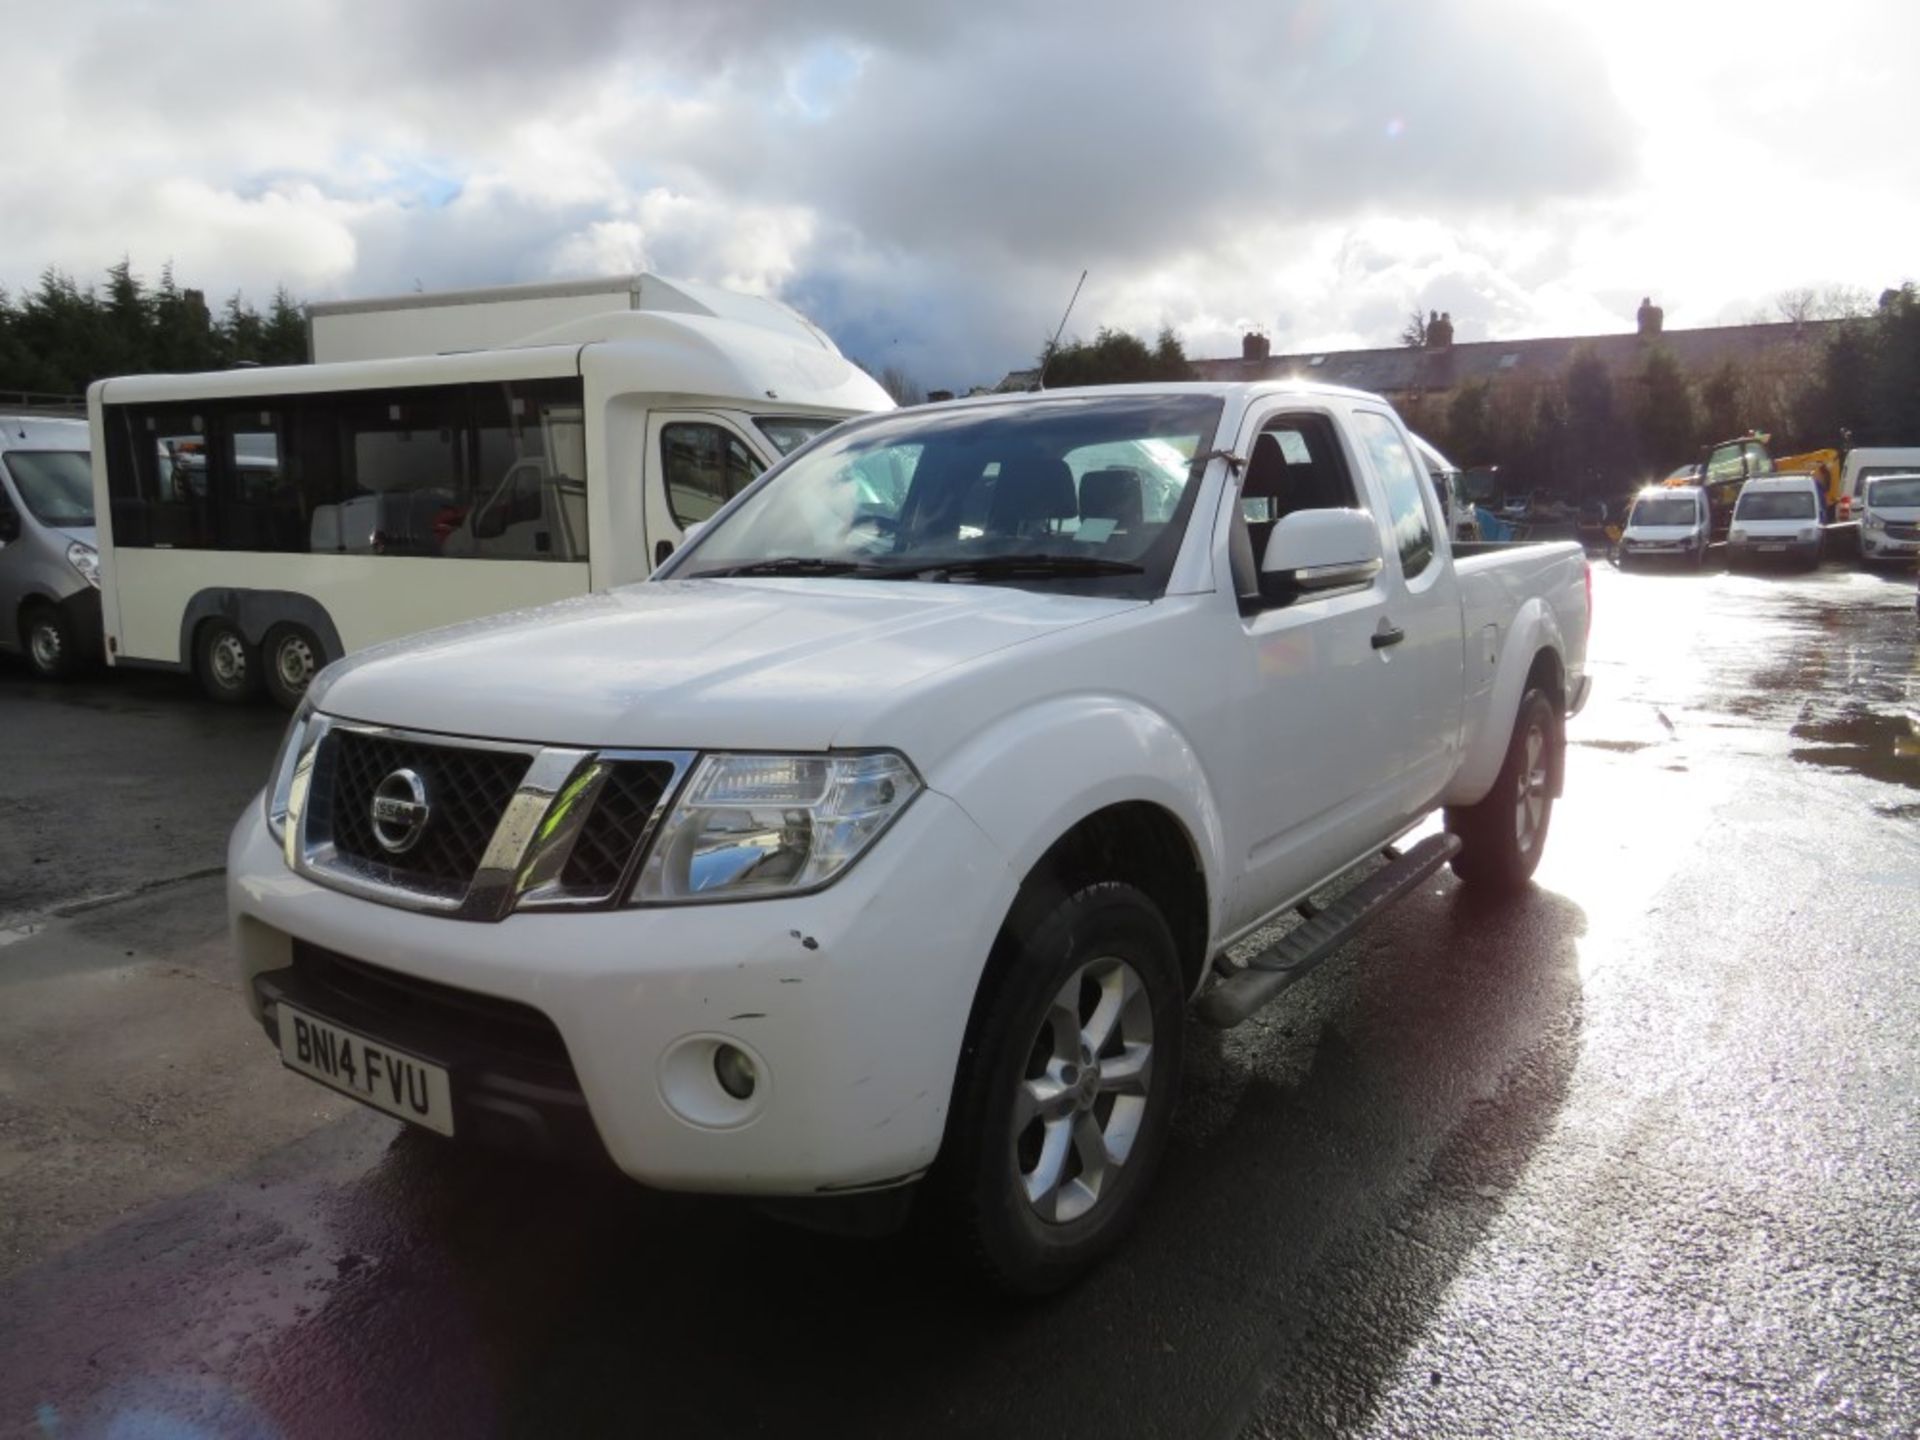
(1878, 545)
(82, 611)
(852, 1003)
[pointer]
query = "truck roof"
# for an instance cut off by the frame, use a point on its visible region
(1243, 391)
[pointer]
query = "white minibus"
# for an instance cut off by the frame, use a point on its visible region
(258, 523)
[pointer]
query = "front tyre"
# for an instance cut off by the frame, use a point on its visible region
(1502, 836)
(48, 639)
(1066, 1088)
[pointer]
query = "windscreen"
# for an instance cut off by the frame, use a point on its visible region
(56, 485)
(1899, 491)
(1087, 490)
(789, 432)
(1665, 510)
(1775, 505)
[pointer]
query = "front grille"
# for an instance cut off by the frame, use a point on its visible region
(467, 793)
(430, 1015)
(1904, 532)
(616, 826)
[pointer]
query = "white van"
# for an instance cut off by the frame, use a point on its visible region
(1776, 515)
(1667, 522)
(49, 568)
(1866, 461)
(258, 524)
(1890, 516)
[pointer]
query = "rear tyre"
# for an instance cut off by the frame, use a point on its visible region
(48, 640)
(227, 667)
(1065, 1091)
(290, 657)
(1502, 836)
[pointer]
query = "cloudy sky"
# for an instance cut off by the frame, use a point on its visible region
(928, 180)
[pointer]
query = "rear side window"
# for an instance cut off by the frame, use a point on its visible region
(1400, 476)
(706, 465)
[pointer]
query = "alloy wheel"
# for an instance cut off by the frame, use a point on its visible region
(1083, 1099)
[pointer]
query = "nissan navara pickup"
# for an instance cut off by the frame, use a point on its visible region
(879, 845)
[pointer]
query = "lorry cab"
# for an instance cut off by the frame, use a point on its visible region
(1667, 522)
(49, 560)
(1777, 515)
(1890, 516)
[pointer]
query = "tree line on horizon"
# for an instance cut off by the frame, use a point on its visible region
(60, 337)
(1593, 432)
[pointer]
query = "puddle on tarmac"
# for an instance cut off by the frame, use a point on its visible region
(1882, 747)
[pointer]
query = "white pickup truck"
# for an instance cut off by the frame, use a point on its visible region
(888, 833)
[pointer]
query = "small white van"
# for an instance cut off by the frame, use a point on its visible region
(1776, 515)
(1864, 462)
(1667, 522)
(1890, 516)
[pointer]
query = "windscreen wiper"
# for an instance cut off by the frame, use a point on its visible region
(1020, 567)
(786, 565)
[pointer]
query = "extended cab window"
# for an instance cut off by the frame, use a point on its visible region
(1399, 476)
(706, 466)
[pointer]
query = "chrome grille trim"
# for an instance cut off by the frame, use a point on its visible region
(530, 846)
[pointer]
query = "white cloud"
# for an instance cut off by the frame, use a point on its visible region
(929, 181)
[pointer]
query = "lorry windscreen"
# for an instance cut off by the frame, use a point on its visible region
(1085, 492)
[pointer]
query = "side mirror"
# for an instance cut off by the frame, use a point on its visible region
(1320, 550)
(9, 525)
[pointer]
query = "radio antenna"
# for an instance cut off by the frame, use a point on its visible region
(1054, 344)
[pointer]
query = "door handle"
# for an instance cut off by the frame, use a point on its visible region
(1387, 634)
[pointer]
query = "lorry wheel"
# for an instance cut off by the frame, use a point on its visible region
(1502, 836)
(292, 658)
(49, 642)
(227, 667)
(1066, 1089)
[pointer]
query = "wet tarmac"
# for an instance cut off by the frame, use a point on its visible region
(1634, 1155)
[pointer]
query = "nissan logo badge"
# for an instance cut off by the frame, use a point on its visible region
(400, 811)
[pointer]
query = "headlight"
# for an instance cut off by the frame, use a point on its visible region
(1810, 533)
(1874, 522)
(1737, 537)
(86, 560)
(750, 826)
(280, 791)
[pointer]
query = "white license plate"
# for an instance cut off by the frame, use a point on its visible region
(369, 1071)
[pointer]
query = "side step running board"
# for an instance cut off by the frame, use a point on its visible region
(1305, 946)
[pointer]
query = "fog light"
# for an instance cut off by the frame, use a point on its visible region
(734, 1070)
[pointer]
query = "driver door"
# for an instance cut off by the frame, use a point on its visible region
(696, 461)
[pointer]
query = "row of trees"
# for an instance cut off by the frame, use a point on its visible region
(59, 337)
(1592, 432)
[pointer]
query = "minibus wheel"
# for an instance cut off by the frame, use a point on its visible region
(291, 657)
(227, 667)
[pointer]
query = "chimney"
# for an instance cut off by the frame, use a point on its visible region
(1254, 346)
(1650, 317)
(1439, 331)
